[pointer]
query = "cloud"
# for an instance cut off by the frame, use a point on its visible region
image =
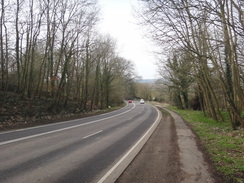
(118, 21)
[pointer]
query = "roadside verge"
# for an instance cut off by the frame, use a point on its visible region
(194, 168)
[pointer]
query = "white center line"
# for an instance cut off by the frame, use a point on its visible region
(92, 134)
(63, 129)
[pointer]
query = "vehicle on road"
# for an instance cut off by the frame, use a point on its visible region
(142, 101)
(130, 101)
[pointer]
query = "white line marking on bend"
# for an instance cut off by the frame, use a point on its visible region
(62, 129)
(93, 134)
(52, 124)
(128, 153)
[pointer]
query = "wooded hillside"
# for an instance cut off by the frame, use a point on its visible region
(52, 49)
(202, 52)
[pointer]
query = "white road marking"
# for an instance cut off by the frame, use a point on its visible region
(62, 129)
(24, 129)
(92, 134)
(102, 180)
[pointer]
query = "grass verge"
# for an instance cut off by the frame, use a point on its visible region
(224, 145)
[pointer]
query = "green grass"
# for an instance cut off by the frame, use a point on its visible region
(224, 145)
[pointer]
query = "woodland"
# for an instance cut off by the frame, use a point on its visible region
(55, 65)
(53, 58)
(201, 54)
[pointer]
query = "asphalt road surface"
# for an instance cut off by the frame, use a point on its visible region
(82, 150)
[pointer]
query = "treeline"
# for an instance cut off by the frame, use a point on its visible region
(203, 44)
(51, 48)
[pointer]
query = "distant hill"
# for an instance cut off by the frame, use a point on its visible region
(146, 81)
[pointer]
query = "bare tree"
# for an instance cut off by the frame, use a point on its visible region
(2, 45)
(55, 51)
(211, 32)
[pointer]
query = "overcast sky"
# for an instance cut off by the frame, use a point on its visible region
(117, 20)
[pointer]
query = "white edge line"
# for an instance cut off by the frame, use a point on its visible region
(108, 177)
(63, 129)
(93, 134)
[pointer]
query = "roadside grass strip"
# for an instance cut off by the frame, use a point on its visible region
(224, 145)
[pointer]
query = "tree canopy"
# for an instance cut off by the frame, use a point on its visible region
(211, 34)
(51, 48)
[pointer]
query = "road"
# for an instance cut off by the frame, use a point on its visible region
(82, 150)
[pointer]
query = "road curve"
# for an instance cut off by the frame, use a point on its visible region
(90, 149)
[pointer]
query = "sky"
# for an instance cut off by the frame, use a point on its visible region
(117, 20)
